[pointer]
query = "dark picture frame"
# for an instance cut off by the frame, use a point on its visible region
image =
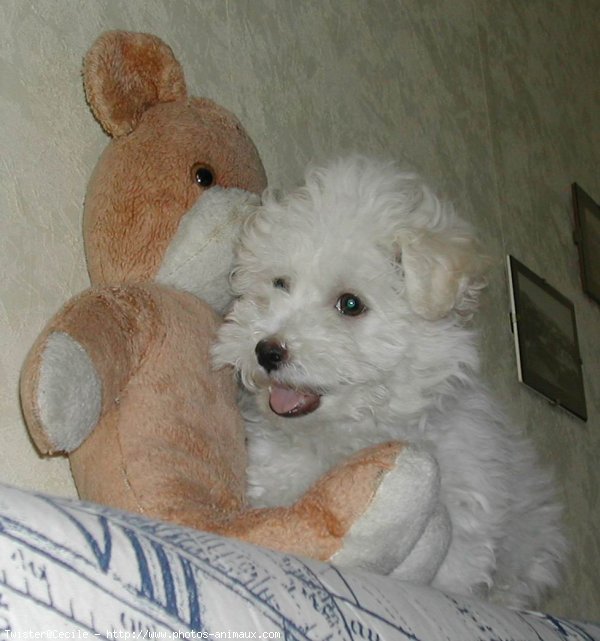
(546, 343)
(586, 214)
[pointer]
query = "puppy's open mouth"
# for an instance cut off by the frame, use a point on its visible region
(288, 401)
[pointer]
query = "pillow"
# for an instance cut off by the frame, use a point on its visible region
(74, 570)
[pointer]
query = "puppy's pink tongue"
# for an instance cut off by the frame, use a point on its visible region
(286, 401)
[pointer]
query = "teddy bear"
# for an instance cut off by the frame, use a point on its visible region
(120, 380)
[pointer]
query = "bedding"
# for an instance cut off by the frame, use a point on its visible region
(75, 570)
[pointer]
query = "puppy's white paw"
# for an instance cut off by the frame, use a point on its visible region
(69, 392)
(398, 516)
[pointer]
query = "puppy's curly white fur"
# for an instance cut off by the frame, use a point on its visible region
(351, 328)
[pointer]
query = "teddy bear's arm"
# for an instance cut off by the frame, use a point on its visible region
(318, 523)
(380, 511)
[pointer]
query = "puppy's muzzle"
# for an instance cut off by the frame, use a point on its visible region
(271, 354)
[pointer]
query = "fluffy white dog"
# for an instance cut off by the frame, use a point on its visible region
(350, 328)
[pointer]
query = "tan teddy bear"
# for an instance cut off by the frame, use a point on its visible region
(121, 380)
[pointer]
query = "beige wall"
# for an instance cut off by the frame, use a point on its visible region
(496, 102)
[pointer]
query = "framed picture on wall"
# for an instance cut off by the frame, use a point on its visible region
(545, 331)
(587, 237)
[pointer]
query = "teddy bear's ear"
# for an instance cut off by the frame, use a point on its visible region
(125, 73)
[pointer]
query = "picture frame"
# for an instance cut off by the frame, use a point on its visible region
(586, 214)
(546, 343)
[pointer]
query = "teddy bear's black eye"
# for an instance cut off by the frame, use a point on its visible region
(203, 175)
(350, 305)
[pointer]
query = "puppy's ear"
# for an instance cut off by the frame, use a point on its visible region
(443, 271)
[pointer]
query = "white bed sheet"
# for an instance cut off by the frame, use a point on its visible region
(72, 570)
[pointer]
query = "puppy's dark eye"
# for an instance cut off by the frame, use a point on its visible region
(281, 283)
(350, 305)
(203, 175)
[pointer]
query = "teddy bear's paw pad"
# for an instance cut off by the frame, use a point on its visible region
(397, 516)
(69, 392)
(424, 560)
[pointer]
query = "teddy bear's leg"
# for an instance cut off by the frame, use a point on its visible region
(368, 512)
(69, 392)
(82, 358)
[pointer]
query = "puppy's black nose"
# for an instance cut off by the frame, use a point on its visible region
(270, 354)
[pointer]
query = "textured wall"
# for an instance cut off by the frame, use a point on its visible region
(497, 103)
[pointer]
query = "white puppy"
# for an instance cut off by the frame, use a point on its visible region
(351, 328)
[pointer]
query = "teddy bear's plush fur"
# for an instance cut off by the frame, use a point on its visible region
(120, 379)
